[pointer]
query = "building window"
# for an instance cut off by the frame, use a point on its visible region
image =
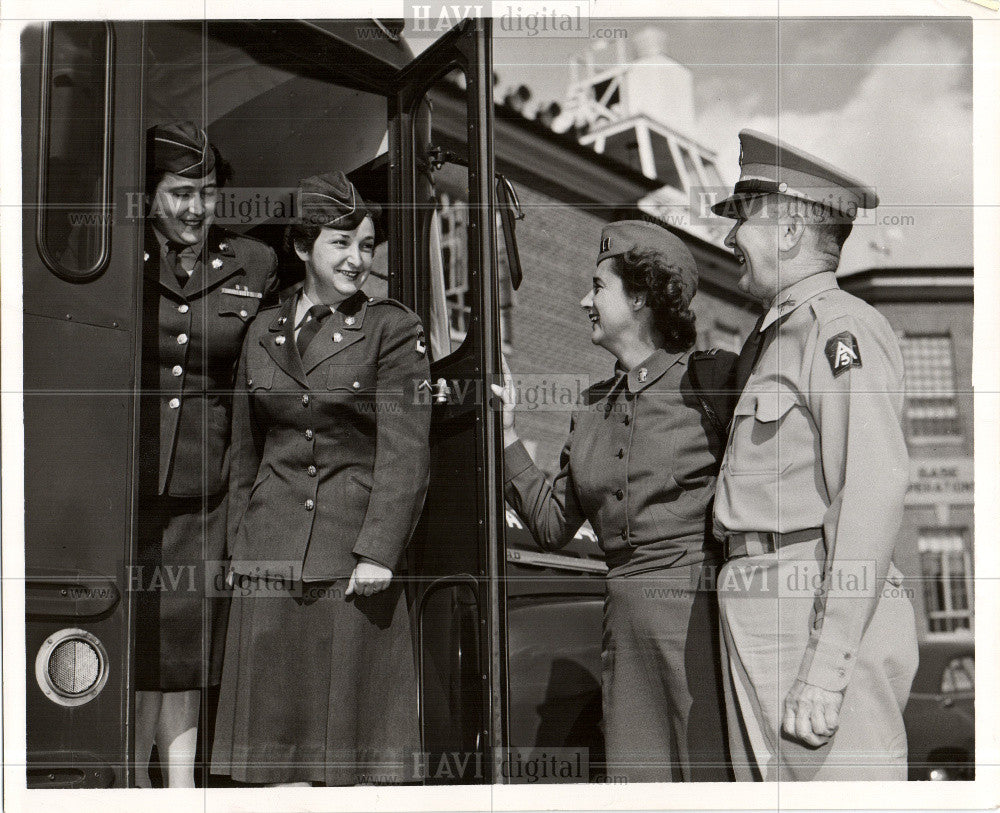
(931, 400)
(454, 256)
(946, 566)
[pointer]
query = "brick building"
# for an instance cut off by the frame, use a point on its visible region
(569, 189)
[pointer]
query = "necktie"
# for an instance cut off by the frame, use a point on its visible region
(751, 351)
(308, 331)
(173, 263)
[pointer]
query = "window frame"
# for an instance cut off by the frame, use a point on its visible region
(948, 614)
(44, 120)
(913, 437)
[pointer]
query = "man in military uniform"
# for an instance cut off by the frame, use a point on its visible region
(819, 649)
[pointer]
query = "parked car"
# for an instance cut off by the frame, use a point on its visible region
(940, 716)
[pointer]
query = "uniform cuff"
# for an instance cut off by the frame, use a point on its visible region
(828, 666)
(516, 460)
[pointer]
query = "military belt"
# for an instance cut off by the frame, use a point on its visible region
(758, 543)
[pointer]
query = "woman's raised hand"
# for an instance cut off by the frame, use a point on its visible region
(508, 398)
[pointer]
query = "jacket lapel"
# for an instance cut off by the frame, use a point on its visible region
(279, 341)
(341, 329)
(218, 262)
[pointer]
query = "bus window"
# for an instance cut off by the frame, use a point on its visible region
(74, 215)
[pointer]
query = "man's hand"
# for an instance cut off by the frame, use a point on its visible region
(811, 714)
(368, 578)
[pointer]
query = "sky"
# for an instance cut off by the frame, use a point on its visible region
(887, 100)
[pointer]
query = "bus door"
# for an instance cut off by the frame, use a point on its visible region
(445, 250)
(81, 339)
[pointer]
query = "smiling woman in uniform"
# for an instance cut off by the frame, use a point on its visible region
(329, 471)
(640, 465)
(202, 287)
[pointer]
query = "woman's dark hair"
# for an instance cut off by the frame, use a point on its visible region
(301, 234)
(223, 170)
(649, 272)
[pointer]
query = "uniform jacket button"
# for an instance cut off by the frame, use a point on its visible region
(174, 403)
(620, 494)
(356, 385)
(309, 434)
(310, 505)
(305, 400)
(624, 534)
(244, 314)
(183, 308)
(182, 338)
(177, 370)
(312, 471)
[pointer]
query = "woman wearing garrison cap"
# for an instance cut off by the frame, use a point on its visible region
(640, 465)
(329, 469)
(201, 288)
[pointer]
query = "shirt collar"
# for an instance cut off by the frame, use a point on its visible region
(798, 294)
(187, 251)
(650, 370)
(302, 308)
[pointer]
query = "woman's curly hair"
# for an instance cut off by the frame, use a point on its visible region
(646, 271)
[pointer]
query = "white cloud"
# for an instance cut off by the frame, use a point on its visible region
(907, 129)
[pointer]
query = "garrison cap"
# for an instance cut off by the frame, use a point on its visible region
(183, 149)
(625, 235)
(768, 166)
(332, 200)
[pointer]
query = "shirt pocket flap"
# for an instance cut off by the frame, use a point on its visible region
(261, 379)
(358, 378)
(772, 405)
(245, 307)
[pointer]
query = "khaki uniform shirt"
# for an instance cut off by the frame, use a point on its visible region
(817, 441)
(639, 464)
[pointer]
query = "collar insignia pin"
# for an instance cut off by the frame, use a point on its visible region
(223, 246)
(217, 263)
(145, 256)
(643, 374)
(338, 336)
(282, 320)
(279, 339)
(349, 320)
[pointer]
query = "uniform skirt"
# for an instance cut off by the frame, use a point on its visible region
(179, 584)
(317, 687)
(663, 699)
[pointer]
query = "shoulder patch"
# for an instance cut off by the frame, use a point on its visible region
(842, 352)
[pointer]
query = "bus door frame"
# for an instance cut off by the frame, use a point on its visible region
(469, 47)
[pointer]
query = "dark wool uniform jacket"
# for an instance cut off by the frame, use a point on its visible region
(330, 453)
(191, 336)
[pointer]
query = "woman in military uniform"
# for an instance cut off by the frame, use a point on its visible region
(202, 287)
(329, 471)
(640, 465)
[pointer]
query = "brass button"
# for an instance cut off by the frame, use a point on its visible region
(279, 339)
(349, 320)
(183, 308)
(174, 403)
(310, 505)
(356, 385)
(619, 494)
(182, 338)
(243, 314)
(309, 434)
(312, 471)
(177, 370)
(305, 400)
(338, 336)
